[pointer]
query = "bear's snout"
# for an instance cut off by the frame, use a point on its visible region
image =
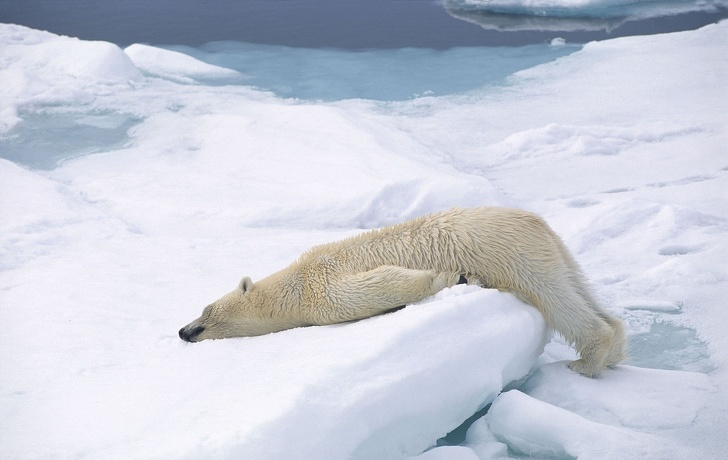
(189, 335)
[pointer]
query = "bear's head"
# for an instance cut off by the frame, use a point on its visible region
(234, 315)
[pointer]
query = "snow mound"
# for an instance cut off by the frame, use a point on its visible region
(175, 66)
(42, 68)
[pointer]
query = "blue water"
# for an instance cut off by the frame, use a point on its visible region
(42, 141)
(332, 74)
(668, 346)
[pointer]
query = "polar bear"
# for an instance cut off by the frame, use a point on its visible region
(382, 270)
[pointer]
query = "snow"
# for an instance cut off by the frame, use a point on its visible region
(175, 66)
(104, 256)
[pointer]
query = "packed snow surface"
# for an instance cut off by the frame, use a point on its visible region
(621, 146)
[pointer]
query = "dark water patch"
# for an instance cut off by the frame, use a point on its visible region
(457, 436)
(344, 24)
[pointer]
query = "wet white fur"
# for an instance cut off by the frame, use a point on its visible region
(368, 274)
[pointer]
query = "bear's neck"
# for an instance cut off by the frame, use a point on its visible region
(278, 298)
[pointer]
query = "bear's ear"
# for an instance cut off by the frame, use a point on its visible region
(246, 284)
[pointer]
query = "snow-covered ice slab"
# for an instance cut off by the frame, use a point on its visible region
(408, 379)
(628, 396)
(536, 428)
(625, 413)
(386, 387)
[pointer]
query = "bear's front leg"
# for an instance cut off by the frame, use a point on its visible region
(377, 291)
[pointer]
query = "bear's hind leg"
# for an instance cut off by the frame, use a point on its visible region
(593, 352)
(601, 344)
(583, 324)
(618, 350)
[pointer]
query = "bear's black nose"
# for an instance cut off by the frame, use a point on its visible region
(189, 335)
